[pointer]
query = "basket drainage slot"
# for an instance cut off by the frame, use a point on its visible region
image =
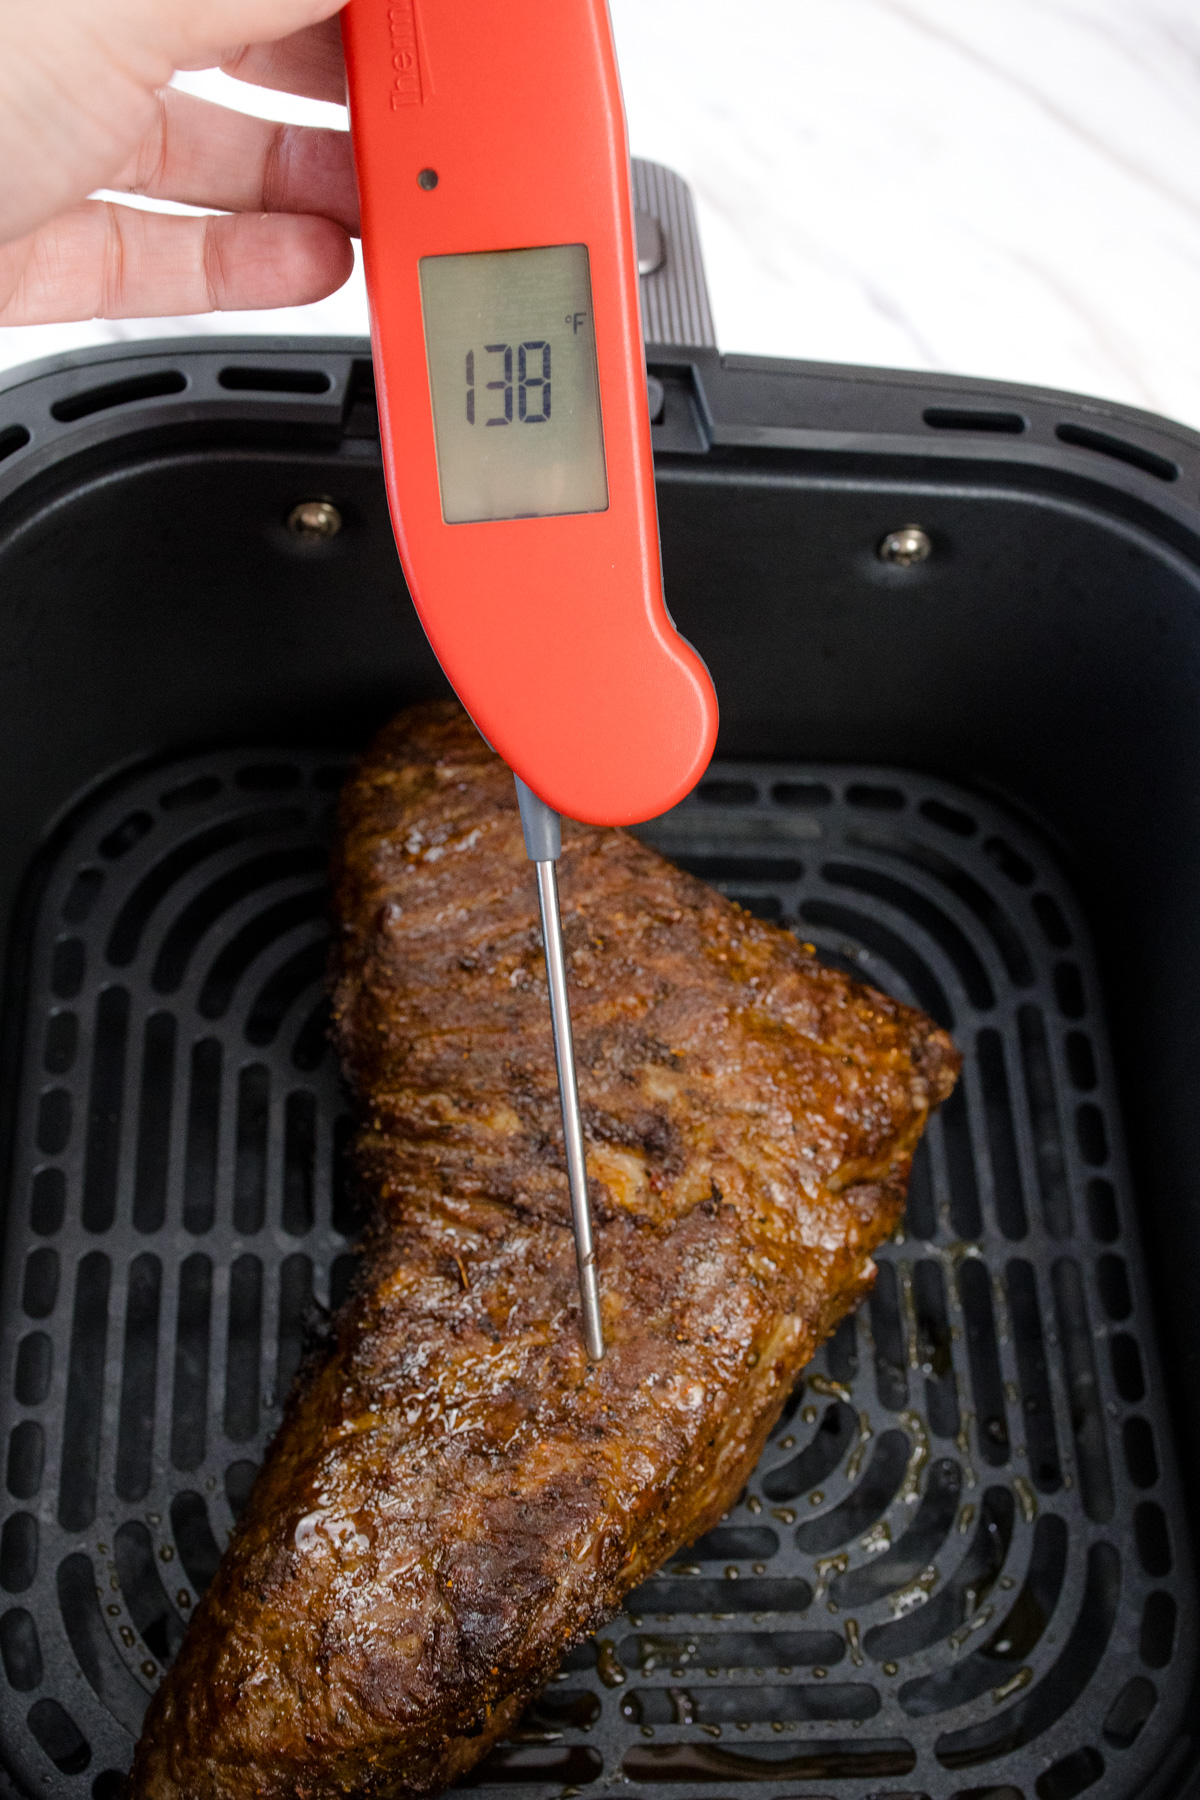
(118, 393)
(1084, 437)
(14, 438)
(970, 418)
(275, 381)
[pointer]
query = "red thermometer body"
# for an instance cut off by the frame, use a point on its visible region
(501, 269)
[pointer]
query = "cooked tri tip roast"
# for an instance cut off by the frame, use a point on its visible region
(456, 1495)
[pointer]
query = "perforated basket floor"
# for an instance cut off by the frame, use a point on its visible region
(960, 1567)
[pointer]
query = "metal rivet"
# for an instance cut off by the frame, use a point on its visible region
(909, 545)
(315, 519)
(427, 179)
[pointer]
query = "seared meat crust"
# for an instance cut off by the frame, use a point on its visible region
(455, 1495)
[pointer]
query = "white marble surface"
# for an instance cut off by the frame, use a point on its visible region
(1007, 188)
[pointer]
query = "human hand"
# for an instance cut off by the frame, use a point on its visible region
(84, 103)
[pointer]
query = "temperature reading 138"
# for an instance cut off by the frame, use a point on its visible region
(532, 383)
(511, 343)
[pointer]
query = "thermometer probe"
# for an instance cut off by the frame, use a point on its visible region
(501, 266)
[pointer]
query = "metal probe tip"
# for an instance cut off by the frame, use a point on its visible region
(543, 845)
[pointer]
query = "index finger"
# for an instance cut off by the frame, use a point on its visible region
(309, 62)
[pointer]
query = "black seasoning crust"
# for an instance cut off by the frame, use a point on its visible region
(455, 1496)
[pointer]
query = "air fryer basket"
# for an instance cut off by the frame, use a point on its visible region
(962, 1557)
(964, 1566)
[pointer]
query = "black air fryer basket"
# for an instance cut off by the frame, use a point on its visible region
(964, 1566)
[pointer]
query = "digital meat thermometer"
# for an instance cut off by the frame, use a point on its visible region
(498, 240)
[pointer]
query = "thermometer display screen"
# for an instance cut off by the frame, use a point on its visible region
(511, 344)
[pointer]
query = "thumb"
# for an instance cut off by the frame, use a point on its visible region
(200, 33)
(209, 28)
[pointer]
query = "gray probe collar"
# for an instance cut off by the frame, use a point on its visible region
(543, 835)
